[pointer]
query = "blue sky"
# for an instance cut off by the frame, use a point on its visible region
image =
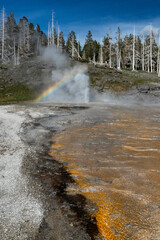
(81, 16)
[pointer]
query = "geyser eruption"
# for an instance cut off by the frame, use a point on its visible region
(68, 83)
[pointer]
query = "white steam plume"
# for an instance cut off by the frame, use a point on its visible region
(76, 89)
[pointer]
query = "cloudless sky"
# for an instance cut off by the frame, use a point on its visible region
(81, 16)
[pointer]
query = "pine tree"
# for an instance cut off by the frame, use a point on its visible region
(61, 41)
(72, 44)
(96, 47)
(127, 52)
(138, 55)
(143, 53)
(23, 25)
(106, 49)
(84, 55)
(44, 40)
(12, 28)
(154, 53)
(151, 51)
(89, 46)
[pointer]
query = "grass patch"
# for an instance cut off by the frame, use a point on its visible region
(105, 78)
(117, 86)
(15, 92)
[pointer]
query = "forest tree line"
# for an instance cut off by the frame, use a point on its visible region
(23, 39)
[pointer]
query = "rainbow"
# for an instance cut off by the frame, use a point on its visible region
(57, 85)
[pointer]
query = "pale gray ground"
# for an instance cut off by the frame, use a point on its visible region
(21, 213)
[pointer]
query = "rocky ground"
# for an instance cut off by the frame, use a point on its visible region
(123, 84)
(34, 204)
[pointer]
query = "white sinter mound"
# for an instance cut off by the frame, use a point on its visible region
(20, 212)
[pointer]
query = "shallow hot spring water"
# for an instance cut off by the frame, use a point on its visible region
(116, 165)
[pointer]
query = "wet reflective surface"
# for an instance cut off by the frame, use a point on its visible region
(116, 165)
